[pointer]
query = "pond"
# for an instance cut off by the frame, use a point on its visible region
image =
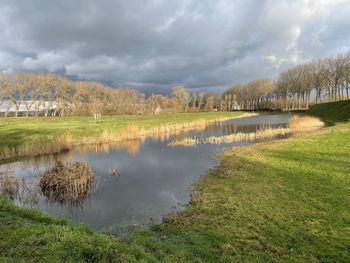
(154, 179)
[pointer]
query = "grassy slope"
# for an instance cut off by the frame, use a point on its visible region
(280, 201)
(15, 132)
(332, 112)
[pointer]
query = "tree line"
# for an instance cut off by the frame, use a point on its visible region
(27, 94)
(322, 80)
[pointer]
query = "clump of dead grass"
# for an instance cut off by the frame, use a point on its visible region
(305, 123)
(67, 181)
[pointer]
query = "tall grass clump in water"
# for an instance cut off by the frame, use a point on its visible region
(67, 181)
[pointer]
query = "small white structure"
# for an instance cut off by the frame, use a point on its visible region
(23, 108)
(235, 106)
(98, 117)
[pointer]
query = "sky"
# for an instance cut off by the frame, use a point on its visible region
(153, 45)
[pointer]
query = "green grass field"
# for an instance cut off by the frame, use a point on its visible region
(283, 201)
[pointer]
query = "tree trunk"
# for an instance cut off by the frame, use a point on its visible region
(17, 109)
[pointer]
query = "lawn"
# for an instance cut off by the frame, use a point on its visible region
(283, 201)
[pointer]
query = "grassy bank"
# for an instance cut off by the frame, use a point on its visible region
(332, 112)
(32, 136)
(284, 201)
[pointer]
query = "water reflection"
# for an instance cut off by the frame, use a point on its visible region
(154, 178)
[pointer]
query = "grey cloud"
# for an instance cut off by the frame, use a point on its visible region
(155, 44)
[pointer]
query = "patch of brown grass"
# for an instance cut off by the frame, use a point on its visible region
(305, 123)
(67, 181)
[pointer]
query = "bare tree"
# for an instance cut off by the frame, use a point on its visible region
(181, 96)
(3, 89)
(157, 101)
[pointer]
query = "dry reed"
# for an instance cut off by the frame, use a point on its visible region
(231, 138)
(296, 124)
(304, 123)
(67, 182)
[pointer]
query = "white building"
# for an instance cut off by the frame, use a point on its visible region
(32, 107)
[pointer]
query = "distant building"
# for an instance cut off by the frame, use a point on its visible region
(235, 106)
(32, 107)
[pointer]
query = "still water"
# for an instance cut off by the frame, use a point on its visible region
(154, 179)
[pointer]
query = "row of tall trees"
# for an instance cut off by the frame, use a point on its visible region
(52, 95)
(322, 80)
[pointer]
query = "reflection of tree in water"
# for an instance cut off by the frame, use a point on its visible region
(132, 147)
(45, 160)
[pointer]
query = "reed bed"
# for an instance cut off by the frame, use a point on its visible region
(235, 137)
(67, 181)
(296, 124)
(305, 123)
(252, 136)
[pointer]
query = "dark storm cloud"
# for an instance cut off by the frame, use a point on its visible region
(154, 44)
